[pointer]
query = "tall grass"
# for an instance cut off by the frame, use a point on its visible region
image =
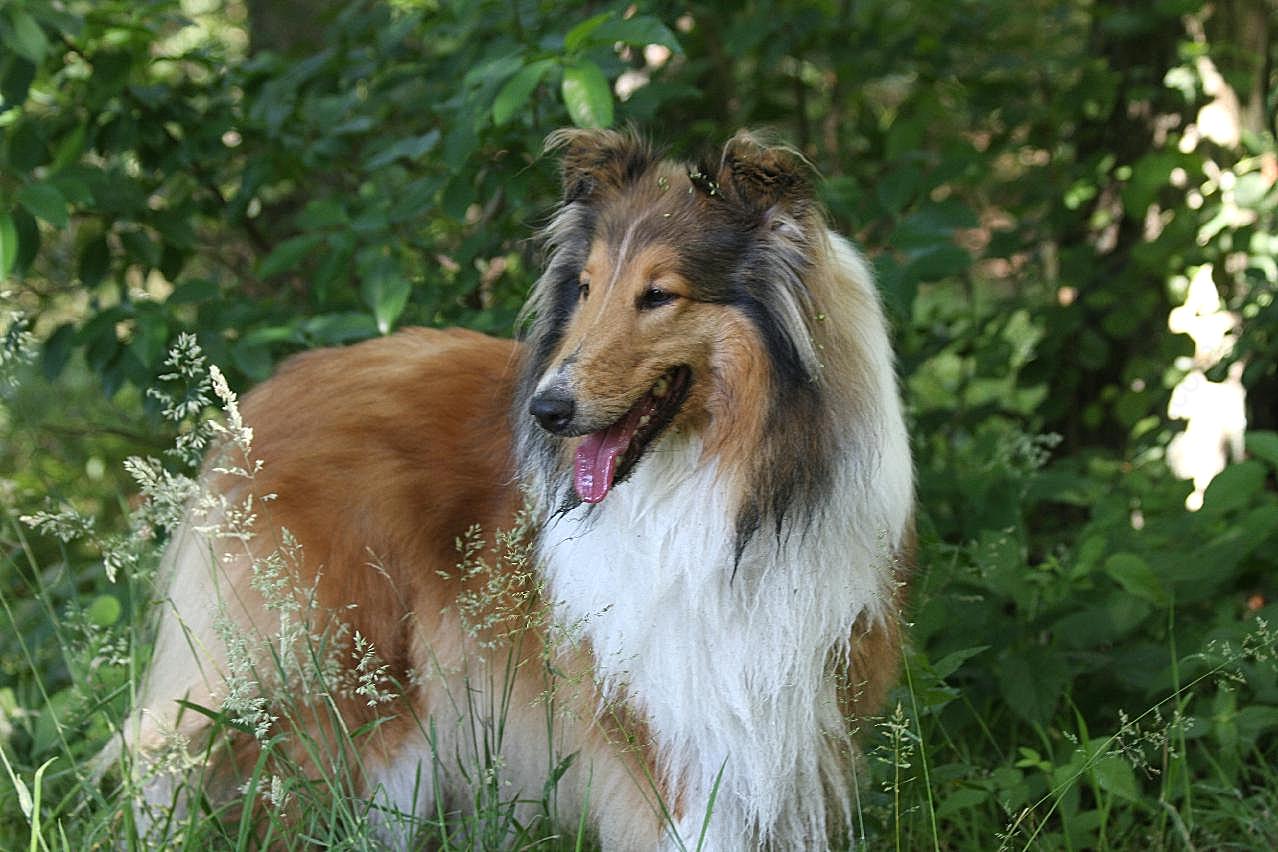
(281, 692)
(948, 766)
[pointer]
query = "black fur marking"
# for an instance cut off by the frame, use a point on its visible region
(737, 264)
(562, 277)
(637, 161)
(794, 472)
(783, 352)
(748, 523)
(595, 160)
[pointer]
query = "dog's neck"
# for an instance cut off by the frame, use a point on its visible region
(729, 670)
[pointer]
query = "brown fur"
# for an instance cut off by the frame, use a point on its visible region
(765, 177)
(875, 658)
(595, 162)
(619, 351)
(380, 457)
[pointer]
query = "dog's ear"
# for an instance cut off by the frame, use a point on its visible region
(595, 161)
(763, 179)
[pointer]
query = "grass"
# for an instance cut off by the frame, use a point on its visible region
(1149, 780)
(969, 753)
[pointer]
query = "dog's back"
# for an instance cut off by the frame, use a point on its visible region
(377, 462)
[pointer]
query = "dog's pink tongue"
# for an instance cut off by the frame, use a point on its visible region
(597, 455)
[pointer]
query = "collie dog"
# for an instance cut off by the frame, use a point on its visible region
(700, 434)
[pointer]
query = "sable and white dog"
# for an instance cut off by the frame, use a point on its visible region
(703, 420)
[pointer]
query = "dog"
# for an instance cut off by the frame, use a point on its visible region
(700, 435)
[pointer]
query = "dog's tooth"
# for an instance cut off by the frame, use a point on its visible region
(643, 421)
(661, 388)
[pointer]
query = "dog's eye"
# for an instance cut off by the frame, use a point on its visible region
(655, 297)
(583, 288)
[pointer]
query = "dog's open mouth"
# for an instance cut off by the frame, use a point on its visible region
(606, 457)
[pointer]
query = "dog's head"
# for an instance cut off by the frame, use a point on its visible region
(673, 299)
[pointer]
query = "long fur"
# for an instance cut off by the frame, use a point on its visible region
(731, 604)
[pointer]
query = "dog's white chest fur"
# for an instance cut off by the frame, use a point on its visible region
(731, 674)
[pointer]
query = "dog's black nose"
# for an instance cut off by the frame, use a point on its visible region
(553, 410)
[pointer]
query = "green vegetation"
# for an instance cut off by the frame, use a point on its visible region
(1038, 184)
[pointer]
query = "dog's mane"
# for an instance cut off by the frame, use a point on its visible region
(759, 243)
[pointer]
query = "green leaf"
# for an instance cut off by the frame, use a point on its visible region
(409, 149)
(172, 259)
(1234, 487)
(48, 725)
(518, 89)
(268, 334)
(287, 255)
(933, 222)
(458, 196)
(1149, 176)
(387, 295)
(898, 290)
(104, 611)
(577, 36)
(27, 147)
(416, 199)
(253, 360)
(28, 239)
(898, 187)
(16, 76)
(334, 266)
(1264, 445)
(73, 189)
(937, 261)
(1256, 720)
(1104, 623)
(140, 247)
(960, 799)
(954, 660)
(1115, 776)
(193, 291)
(177, 228)
(57, 350)
(492, 71)
(639, 30)
(70, 148)
(548, 789)
(371, 220)
(330, 329)
(95, 261)
(1136, 577)
(322, 213)
(587, 96)
(44, 200)
(1251, 189)
(150, 336)
(25, 36)
(1032, 680)
(8, 244)
(1226, 553)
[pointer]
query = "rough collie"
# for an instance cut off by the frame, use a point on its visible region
(700, 430)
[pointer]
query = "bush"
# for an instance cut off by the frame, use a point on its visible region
(1037, 183)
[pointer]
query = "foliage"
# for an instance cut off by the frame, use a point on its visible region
(269, 204)
(1036, 182)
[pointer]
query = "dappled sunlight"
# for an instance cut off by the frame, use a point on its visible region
(1215, 412)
